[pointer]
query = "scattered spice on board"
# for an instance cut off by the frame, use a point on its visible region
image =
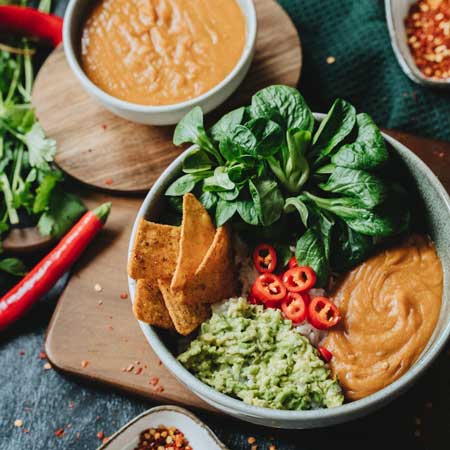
(100, 435)
(42, 355)
(161, 438)
(109, 181)
(428, 33)
(154, 381)
(138, 371)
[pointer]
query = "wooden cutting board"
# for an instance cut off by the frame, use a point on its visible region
(110, 153)
(99, 327)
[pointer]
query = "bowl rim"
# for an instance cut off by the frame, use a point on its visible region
(332, 415)
(247, 52)
(410, 70)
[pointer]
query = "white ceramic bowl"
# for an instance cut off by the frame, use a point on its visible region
(437, 209)
(196, 432)
(155, 115)
(396, 12)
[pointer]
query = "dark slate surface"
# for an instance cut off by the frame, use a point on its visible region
(46, 401)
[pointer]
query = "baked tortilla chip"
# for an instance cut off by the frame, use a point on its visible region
(197, 234)
(215, 278)
(186, 318)
(154, 253)
(149, 306)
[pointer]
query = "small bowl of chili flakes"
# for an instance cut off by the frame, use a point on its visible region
(164, 427)
(420, 36)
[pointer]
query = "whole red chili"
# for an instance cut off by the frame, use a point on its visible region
(299, 279)
(31, 22)
(45, 274)
(265, 258)
(323, 314)
(268, 287)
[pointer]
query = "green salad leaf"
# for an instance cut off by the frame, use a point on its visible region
(274, 172)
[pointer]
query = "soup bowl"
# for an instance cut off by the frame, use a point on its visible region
(436, 212)
(75, 15)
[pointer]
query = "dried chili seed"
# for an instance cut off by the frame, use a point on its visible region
(163, 438)
(428, 36)
(84, 363)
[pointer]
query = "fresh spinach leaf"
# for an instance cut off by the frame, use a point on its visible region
(336, 126)
(368, 152)
(240, 143)
(191, 130)
(284, 105)
(268, 200)
(229, 195)
(186, 183)
(224, 212)
(208, 200)
(310, 251)
(219, 181)
(247, 210)
(269, 136)
(225, 126)
(197, 160)
(295, 204)
(369, 189)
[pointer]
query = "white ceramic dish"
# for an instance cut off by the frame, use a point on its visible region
(437, 209)
(196, 432)
(155, 115)
(396, 12)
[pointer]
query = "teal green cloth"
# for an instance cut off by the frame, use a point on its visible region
(366, 71)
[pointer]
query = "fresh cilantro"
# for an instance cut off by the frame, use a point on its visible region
(13, 266)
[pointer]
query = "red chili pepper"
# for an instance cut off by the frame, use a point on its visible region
(323, 314)
(294, 307)
(268, 287)
(253, 300)
(299, 279)
(265, 258)
(31, 22)
(326, 355)
(45, 274)
(292, 263)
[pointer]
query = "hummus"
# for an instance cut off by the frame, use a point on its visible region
(390, 305)
(256, 355)
(161, 52)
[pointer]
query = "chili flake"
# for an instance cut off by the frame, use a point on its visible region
(428, 34)
(162, 438)
(42, 355)
(123, 295)
(59, 432)
(100, 435)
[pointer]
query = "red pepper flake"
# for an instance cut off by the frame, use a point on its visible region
(105, 440)
(100, 435)
(138, 371)
(59, 432)
(159, 363)
(26, 430)
(109, 181)
(42, 355)
(428, 35)
(84, 363)
(123, 295)
(104, 126)
(154, 381)
(162, 438)
(21, 353)
(159, 389)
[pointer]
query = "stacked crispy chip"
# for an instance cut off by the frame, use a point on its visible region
(181, 270)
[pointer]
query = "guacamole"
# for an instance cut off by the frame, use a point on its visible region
(256, 355)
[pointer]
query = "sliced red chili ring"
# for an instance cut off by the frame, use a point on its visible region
(292, 263)
(299, 279)
(268, 287)
(294, 307)
(326, 355)
(323, 314)
(265, 258)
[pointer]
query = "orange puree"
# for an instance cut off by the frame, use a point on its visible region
(161, 52)
(390, 305)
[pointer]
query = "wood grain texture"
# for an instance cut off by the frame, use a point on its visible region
(108, 152)
(99, 326)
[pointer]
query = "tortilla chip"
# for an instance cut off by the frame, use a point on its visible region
(197, 234)
(155, 252)
(215, 279)
(149, 306)
(186, 318)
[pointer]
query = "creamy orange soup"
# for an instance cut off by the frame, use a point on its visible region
(161, 52)
(390, 305)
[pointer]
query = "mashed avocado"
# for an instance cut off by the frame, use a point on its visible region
(255, 354)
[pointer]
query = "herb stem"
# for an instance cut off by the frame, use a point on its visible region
(6, 187)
